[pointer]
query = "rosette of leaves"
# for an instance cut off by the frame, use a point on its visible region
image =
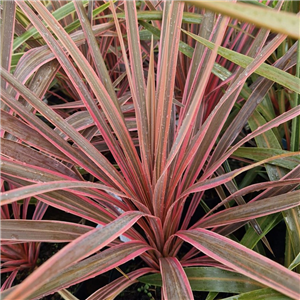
(163, 105)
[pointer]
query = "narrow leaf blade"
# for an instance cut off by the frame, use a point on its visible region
(244, 261)
(175, 282)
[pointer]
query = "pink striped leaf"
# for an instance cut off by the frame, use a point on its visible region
(7, 34)
(260, 89)
(31, 173)
(103, 74)
(84, 246)
(290, 183)
(198, 95)
(252, 210)
(98, 158)
(41, 188)
(95, 50)
(76, 205)
(71, 203)
(138, 106)
(96, 265)
(168, 52)
(244, 261)
(32, 138)
(38, 174)
(137, 82)
(24, 154)
(175, 284)
(41, 231)
(216, 181)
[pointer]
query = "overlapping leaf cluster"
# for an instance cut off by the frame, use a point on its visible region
(163, 105)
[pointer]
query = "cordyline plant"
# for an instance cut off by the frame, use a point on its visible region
(163, 105)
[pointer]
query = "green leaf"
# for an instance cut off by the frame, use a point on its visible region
(187, 17)
(251, 238)
(282, 22)
(265, 70)
(74, 25)
(209, 279)
(258, 154)
(262, 294)
(57, 14)
(292, 221)
(295, 262)
(262, 4)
